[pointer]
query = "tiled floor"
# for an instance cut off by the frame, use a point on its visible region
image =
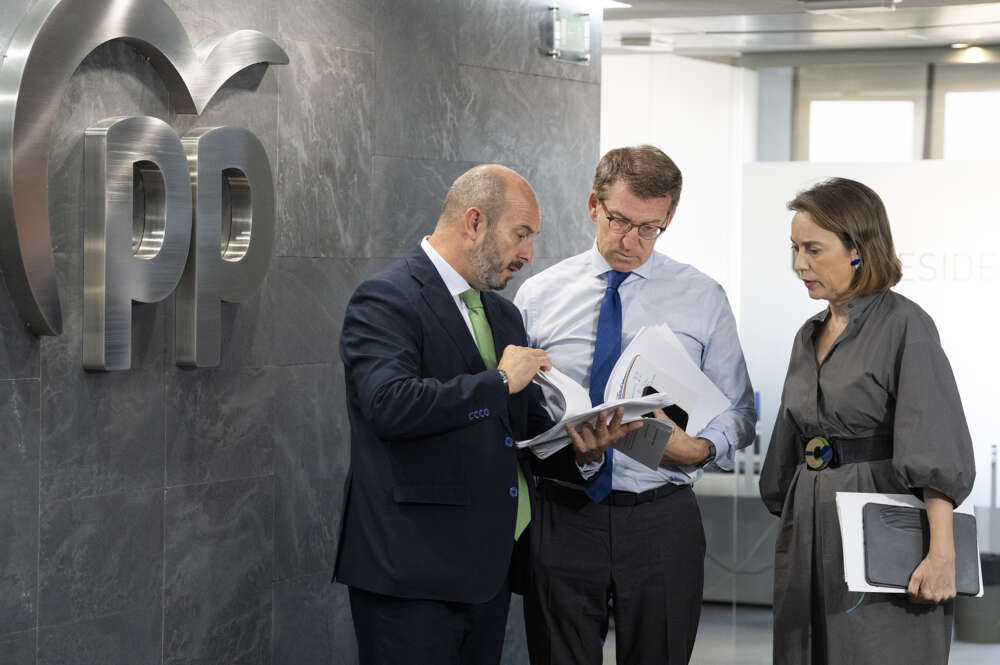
(744, 638)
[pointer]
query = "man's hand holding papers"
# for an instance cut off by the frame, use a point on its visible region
(589, 441)
(654, 362)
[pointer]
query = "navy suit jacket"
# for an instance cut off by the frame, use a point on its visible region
(430, 500)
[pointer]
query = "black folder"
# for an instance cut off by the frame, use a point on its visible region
(897, 539)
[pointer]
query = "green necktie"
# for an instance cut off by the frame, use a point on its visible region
(484, 340)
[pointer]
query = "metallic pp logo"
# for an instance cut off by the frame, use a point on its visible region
(163, 213)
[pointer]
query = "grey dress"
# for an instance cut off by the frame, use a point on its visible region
(885, 375)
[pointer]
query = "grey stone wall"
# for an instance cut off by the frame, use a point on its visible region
(169, 515)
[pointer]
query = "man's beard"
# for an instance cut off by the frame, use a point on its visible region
(489, 266)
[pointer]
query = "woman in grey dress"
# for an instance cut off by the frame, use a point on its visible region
(867, 374)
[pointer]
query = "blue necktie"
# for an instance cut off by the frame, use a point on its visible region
(606, 352)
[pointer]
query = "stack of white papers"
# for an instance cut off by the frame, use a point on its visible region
(654, 371)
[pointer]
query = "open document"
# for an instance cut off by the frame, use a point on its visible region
(569, 404)
(654, 371)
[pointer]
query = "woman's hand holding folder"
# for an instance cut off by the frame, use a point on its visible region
(933, 581)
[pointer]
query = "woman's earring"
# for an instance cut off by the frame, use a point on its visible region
(855, 263)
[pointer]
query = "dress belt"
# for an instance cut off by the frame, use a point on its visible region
(821, 452)
(615, 498)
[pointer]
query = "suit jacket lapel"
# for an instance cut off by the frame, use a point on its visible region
(503, 332)
(441, 302)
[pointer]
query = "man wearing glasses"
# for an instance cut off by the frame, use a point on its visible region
(631, 544)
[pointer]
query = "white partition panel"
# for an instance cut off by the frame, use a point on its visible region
(946, 225)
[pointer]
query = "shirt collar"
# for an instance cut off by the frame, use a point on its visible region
(454, 282)
(857, 308)
(599, 266)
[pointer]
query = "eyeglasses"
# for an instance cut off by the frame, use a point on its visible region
(621, 226)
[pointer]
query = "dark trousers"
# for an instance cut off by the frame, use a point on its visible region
(408, 631)
(648, 559)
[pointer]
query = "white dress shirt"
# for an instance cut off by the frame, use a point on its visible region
(561, 307)
(454, 282)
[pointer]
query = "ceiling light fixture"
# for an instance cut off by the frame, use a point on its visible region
(828, 5)
(974, 55)
(612, 4)
(960, 45)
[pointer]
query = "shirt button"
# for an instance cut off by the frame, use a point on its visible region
(508, 442)
(512, 491)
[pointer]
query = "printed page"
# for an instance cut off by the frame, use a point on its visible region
(656, 359)
(562, 394)
(555, 438)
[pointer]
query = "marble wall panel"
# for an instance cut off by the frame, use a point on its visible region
(562, 195)
(417, 88)
(508, 35)
(18, 565)
(408, 195)
(18, 648)
(101, 433)
(549, 130)
(219, 424)
(126, 638)
(311, 442)
(311, 296)
(335, 23)
(324, 163)
(100, 555)
(312, 622)
(19, 436)
(527, 120)
(219, 569)
(18, 347)
(247, 331)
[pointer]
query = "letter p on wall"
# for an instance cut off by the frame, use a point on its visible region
(143, 239)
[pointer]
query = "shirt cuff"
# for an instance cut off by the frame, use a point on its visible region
(589, 469)
(723, 449)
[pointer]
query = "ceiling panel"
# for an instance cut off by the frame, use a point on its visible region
(679, 8)
(755, 26)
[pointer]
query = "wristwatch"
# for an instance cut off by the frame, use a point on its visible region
(711, 453)
(503, 377)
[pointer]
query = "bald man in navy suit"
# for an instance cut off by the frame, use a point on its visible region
(439, 388)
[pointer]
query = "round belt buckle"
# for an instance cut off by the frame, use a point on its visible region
(819, 453)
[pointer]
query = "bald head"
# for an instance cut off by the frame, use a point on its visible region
(487, 225)
(489, 188)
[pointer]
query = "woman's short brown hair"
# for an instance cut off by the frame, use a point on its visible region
(646, 169)
(857, 215)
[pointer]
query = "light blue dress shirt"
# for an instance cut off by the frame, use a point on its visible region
(560, 308)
